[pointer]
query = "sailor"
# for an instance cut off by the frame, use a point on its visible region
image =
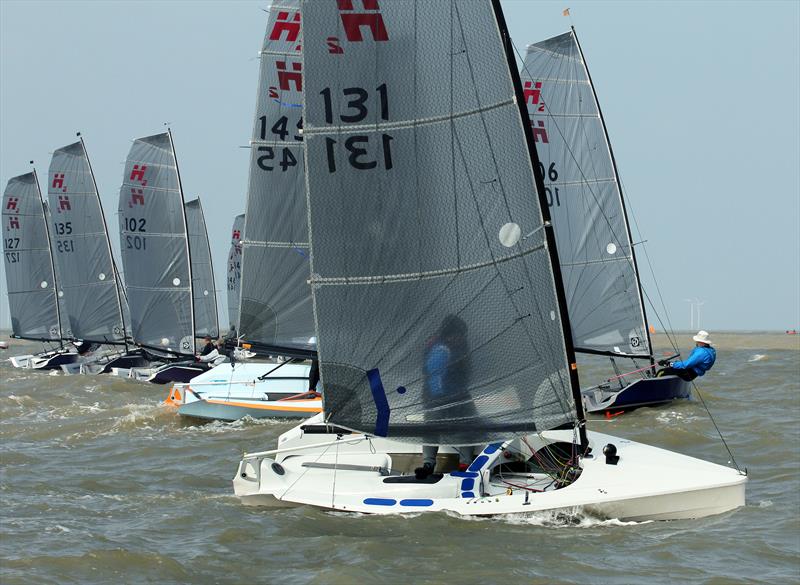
(697, 364)
(208, 346)
(447, 372)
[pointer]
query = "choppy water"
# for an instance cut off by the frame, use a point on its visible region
(100, 484)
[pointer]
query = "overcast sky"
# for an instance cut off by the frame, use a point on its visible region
(702, 103)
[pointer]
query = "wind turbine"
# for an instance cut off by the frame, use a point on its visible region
(699, 304)
(691, 313)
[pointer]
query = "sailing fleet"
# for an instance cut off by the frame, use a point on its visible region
(431, 236)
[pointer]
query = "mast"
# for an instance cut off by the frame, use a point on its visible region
(52, 260)
(548, 226)
(108, 245)
(621, 198)
(185, 229)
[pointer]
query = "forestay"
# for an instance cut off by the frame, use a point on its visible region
(276, 310)
(155, 247)
(583, 191)
(206, 320)
(235, 272)
(427, 245)
(82, 250)
(28, 262)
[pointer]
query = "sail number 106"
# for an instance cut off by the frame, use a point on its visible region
(356, 147)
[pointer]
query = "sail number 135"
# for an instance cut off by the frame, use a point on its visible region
(357, 147)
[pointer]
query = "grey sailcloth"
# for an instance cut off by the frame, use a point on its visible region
(235, 271)
(436, 321)
(63, 313)
(597, 260)
(155, 247)
(206, 321)
(82, 250)
(276, 309)
(28, 262)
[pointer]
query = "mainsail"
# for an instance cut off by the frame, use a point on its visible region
(30, 275)
(206, 321)
(235, 272)
(155, 247)
(596, 254)
(425, 240)
(86, 272)
(276, 311)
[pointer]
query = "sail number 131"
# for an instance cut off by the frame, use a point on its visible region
(356, 147)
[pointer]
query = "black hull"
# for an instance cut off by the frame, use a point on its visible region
(55, 361)
(180, 373)
(644, 392)
(134, 359)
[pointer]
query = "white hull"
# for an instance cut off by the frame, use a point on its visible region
(229, 392)
(646, 484)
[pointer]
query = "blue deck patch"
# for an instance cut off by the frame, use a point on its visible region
(467, 484)
(467, 495)
(463, 474)
(380, 502)
(416, 502)
(381, 403)
(492, 448)
(479, 462)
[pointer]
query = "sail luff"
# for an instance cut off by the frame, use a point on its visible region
(52, 259)
(619, 190)
(186, 230)
(558, 281)
(117, 283)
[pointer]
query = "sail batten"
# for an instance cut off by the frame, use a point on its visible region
(437, 321)
(155, 248)
(275, 309)
(595, 250)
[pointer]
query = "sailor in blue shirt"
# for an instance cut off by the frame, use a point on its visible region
(699, 361)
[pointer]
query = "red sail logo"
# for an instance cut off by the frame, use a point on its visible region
(58, 182)
(532, 92)
(236, 235)
(137, 174)
(539, 132)
(13, 223)
(137, 197)
(285, 76)
(287, 22)
(63, 203)
(353, 21)
(12, 202)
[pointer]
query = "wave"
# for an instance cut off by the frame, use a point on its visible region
(757, 357)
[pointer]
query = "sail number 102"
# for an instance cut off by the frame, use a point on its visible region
(357, 146)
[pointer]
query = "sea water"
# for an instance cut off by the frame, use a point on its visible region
(99, 483)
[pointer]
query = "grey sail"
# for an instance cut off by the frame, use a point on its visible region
(276, 310)
(235, 272)
(66, 328)
(206, 322)
(28, 262)
(87, 275)
(419, 189)
(597, 260)
(155, 247)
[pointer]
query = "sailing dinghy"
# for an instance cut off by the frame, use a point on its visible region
(595, 248)
(90, 290)
(441, 314)
(275, 313)
(31, 275)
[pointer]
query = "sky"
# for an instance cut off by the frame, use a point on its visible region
(701, 100)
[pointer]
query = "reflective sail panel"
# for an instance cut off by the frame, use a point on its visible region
(606, 312)
(430, 328)
(155, 248)
(276, 308)
(82, 251)
(204, 291)
(28, 263)
(235, 273)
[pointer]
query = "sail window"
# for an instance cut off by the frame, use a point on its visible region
(176, 281)
(510, 234)
(44, 284)
(102, 276)
(611, 248)
(60, 293)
